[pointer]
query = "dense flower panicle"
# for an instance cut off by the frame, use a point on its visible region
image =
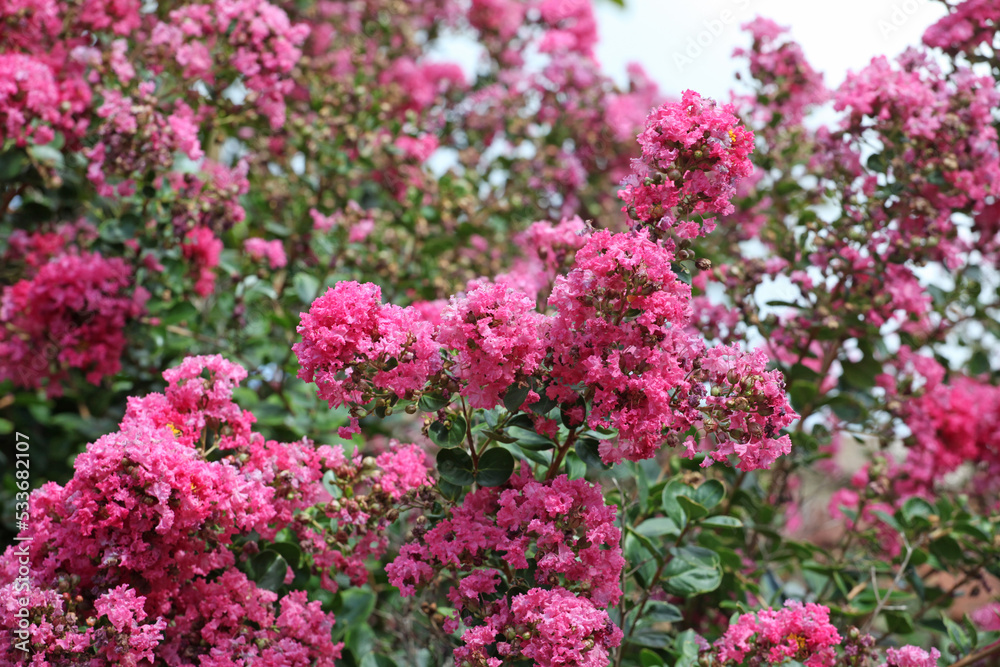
(939, 140)
(273, 251)
(493, 332)
(952, 423)
(143, 504)
(789, 84)
(627, 111)
(403, 468)
(231, 616)
(210, 198)
(969, 25)
(120, 634)
(911, 656)
(72, 312)
(262, 47)
(564, 629)
(202, 249)
(147, 504)
(32, 101)
(527, 519)
(371, 490)
(548, 250)
(751, 402)
(693, 154)
(798, 632)
(567, 532)
(620, 331)
(135, 139)
(353, 345)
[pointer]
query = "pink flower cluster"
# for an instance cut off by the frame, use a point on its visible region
(911, 656)
(548, 250)
(752, 406)
(693, 154)
(119, 632)
(353, 347)
(148, 503)
(613, 344)
(33, 105)
(273, 251)
(969, 25)
(202, 249)
(261, 48)
(788, 85)
(620, 331)
(70, 312)
(136, 139)
(798, 632)
(553, 627)
(951, 423)
(493, 332)
(566, 531)
(210, 198)
(938, 141)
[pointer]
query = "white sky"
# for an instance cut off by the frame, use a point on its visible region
(688, 44)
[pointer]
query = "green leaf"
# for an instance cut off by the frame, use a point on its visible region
(12, 164)
(722, 521)
(899, 622)
(662, 612)
(947, 549)
(528, 439)
(495, 467)
(587, 450)
(455, 466)
(328, 484)
(180, 312)
(450, 491)
(48, 154)
(433, 402)
(306, 287)
(269, 570)
(658, 526)
(917, 507)
(448, 433)
(649, 659)
(876, 162)
(979, 363)
(515, 396)
(709, 493)
(289, 551)
(692, 571)
(861, 375)
(686, 649)
(691, 508)
(671, 507)
(543, 405)
(356, 605)
(958, 635)
(802, 393)
(650, 636)
(846, 408)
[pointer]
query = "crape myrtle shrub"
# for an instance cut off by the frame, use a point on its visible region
(604, 438)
